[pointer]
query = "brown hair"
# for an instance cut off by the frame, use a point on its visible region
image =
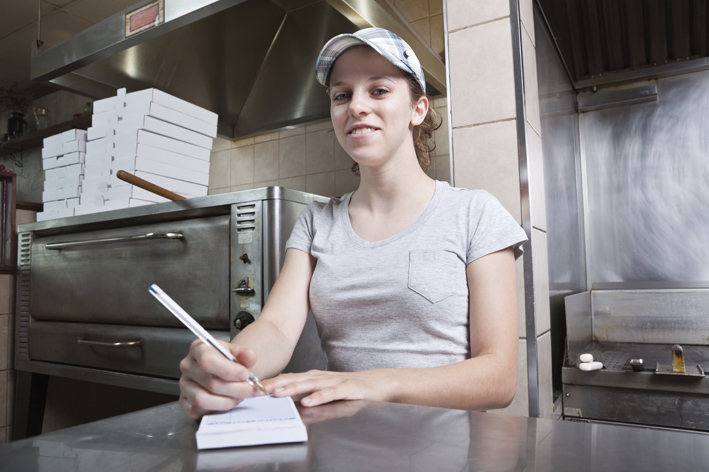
(423, 132)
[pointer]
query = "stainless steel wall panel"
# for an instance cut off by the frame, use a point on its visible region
(560, 146)
(648, 186)
(651, 316)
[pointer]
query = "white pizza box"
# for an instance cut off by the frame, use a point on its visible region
(60, 194)
(98, 132)
(74, 135)
(107, 118)
(53, 141)
(55, 205)
(63, 182)
(54, 214)
(164, 128)
(56, 150)
(98, 160)
(180, 187)
(74, 146)
(170, 101)
(136, 192)
(99, 196)
(125, 203)
(115, 103)
(98, 171)
(64, 171)
(61, 161)
(95, 185)
(110, 205)
(175, 117)
(162, 155)
(132, 138)
(101, 145)
(160, 168)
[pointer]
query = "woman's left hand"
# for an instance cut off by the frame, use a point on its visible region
(324, 386)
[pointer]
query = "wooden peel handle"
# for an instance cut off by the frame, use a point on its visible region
(144, 184)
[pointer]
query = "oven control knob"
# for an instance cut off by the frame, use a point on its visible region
(244, 288)
(243, 319)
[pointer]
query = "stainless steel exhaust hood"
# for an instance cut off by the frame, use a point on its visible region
(250, 61)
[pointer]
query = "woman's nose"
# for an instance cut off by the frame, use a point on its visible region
(358, 104)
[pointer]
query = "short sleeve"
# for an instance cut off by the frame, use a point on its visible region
(493, 228)
(302, 235)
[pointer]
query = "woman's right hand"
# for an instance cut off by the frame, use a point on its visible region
(210, 382)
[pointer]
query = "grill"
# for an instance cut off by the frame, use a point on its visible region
(622, 327)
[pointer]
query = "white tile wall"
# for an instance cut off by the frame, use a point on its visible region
(482, 85)
(464, 14)
(486, 158)
(305, 157)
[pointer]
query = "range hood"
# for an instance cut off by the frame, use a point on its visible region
(250, 61)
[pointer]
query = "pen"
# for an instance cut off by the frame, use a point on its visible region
(197, 329)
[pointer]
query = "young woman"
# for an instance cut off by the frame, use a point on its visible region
(411, 281)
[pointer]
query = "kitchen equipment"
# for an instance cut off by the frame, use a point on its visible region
(83, 307)
(250, 61)
(646, 326)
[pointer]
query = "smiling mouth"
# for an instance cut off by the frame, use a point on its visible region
(363, 130)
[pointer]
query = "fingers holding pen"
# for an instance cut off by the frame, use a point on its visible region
(210, 382)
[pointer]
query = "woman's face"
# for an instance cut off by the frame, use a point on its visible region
(371, 108)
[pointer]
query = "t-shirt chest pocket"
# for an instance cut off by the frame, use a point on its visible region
(435, 275)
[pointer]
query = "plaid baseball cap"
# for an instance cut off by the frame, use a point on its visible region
(386, 43)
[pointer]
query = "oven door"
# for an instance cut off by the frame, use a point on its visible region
(103, 276)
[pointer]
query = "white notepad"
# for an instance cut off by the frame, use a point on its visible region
(258, 420)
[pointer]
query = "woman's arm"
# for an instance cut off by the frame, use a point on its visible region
(487, 380)
(210, 382)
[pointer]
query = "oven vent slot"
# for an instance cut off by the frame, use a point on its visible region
(23, 294)
(246, 218)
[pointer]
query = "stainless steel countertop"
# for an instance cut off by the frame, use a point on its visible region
(362, 436)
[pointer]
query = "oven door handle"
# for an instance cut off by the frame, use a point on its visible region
(103, 343)
(139, 237)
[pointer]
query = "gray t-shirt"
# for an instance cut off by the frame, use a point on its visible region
(401, 301)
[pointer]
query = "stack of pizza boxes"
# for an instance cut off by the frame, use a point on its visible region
(153, 135)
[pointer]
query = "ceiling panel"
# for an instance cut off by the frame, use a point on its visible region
(16, 14)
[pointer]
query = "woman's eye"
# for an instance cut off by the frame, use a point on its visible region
(380, 91)
(339, 96)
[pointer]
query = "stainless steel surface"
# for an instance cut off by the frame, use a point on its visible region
(147, 236)
(562, 188)
(666, 316)
(598, 39)
(647, 186)
(524, 183)
(110, 344)
(357, 436)
(84, 310)
(95, 283)
(643, 92)
(645, 327)
(250, 61)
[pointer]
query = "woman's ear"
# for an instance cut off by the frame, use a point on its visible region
(420, 110)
